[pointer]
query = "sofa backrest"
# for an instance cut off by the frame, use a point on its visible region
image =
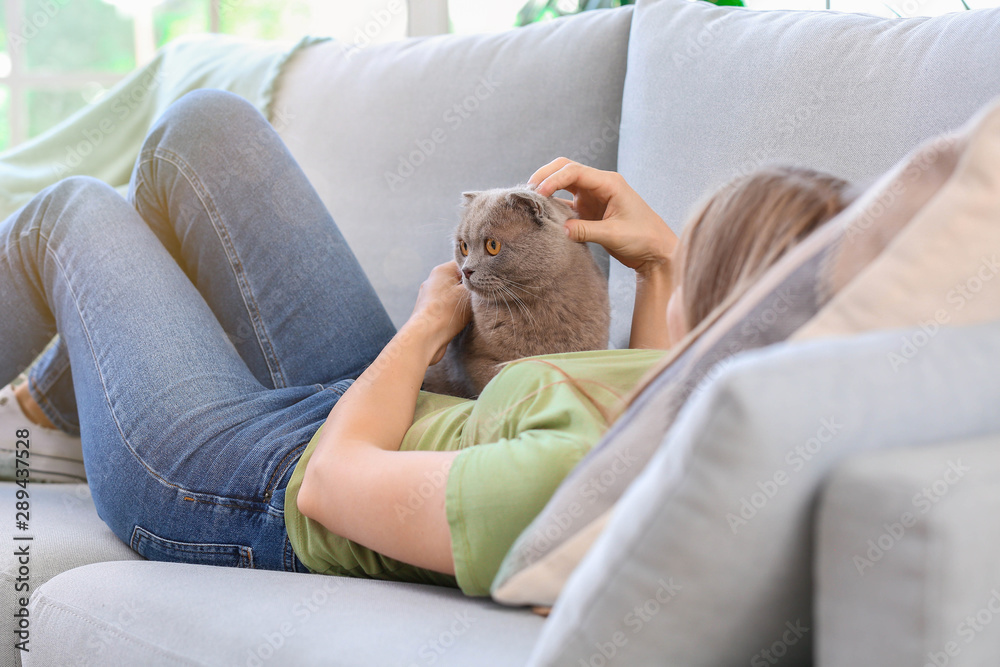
(712, 92)
(391, 134)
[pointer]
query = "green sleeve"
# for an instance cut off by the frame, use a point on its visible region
(495, 490)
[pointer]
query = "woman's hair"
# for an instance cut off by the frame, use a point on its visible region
(745, 226)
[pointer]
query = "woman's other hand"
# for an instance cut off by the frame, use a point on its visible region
(610, 213)
(442, 309)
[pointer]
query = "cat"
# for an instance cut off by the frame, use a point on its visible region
(533, 290)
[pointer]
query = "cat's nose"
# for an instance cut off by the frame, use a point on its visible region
(468, 272)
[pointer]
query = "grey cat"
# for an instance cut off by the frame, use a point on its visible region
(534, 291)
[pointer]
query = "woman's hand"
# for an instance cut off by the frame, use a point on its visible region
(610, 213)
(442, 309)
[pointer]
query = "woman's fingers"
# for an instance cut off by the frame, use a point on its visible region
(593, 231)
(544, 172)
(580, 179)
(443, 303)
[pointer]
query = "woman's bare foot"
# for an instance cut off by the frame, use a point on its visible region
(30, 407)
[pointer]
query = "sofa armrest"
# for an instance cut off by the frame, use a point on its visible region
(908, 558)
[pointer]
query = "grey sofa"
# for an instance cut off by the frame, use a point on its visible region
(678, 97)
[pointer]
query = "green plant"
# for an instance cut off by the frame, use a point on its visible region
(544, 10)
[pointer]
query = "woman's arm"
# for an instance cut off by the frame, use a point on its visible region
(357, 484)
(614, 215)
(649, 315)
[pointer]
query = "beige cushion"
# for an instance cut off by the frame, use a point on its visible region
(944, 266)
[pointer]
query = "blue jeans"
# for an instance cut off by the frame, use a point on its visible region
(211, 322)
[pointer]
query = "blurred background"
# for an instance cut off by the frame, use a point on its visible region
(57, 56)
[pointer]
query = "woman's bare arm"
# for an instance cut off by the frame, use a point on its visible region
(357, 484)
(649, 314)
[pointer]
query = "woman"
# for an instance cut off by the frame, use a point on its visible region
(243, 398)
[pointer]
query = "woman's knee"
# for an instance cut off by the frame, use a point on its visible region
(81, 191)
(80, 203)
(212, 129)
(203, 115)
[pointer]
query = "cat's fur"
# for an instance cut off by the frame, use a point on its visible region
(540, 294)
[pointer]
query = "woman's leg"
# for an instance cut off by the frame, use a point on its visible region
(225, 197)
(185, 451)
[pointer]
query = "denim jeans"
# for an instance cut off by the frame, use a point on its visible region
(206, 328)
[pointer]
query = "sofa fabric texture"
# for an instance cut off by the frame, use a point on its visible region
(906, 557)
(67, 533)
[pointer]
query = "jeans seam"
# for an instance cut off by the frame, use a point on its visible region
(140, 533)
(267, 487)
(90, 343)
(134, 190)
(253, 310)
(100, 374)
(301, 447)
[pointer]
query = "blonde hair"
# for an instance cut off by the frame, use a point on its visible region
(736, 235)
(745, 227)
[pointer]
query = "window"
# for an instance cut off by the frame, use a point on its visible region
(56, 56)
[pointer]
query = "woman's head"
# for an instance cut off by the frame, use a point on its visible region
(741, 230)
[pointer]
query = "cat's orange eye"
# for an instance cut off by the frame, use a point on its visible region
(464, 248)
(492, 246)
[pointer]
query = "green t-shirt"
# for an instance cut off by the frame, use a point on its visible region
(530, 425)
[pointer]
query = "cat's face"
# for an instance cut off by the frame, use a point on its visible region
(510, 242)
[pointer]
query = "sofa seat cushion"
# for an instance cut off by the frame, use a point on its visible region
(66, 533)
(150, 613)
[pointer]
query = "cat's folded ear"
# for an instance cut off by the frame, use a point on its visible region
(534, 203)
(470, 195)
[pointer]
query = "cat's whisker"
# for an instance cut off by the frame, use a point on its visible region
(520, 304)
(509, 311)
(520, 286)
(527, 312)
(496, 311)
(523, 306)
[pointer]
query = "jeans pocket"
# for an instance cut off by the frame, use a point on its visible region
(154, 547)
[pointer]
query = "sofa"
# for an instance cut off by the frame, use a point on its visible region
(882, 551)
